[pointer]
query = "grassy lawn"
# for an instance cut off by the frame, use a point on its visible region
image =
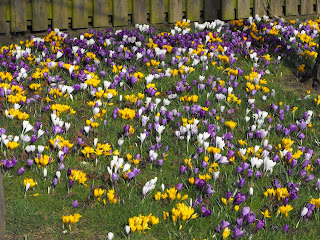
(194, 132)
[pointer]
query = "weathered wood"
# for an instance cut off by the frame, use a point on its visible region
(100, 14)
(276, 7)
(243, 8)
(79, 14)
(210, 9)
(139, 11)
(39, 15)
(60, 14)
(2, 208)
(193, 10)
(306, 7)
(291, 7)
(227, 9)
(157, 11)
(259, 7)
(175, 11)
(318, 6)
(3, 16)
(18, 13)
(120, 13)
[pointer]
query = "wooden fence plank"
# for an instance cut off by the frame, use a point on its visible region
(318, 6)
(100, 14)
(243, 8)
(157, 11)
(120, 13)
(193, 10)
(259, 7)
(139, 11)
(79, 14)
(291, 7)
(210, 10)
(3, 7)
(18, 15)
(60, 14)
(175, 11)
(276, 8)
(39, 15)
(227, 9)
(306, 7)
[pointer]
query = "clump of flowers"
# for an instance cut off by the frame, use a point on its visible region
(79, 176)
(70, 219)
(182, 212)
(127, 113)
(141, 223)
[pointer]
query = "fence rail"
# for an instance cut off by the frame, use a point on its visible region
(38, 15)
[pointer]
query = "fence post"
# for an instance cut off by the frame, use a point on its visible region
(39, 15)
(175, 11)
(79, 14)
(306, 7)
(259, 7)
(157, 11)
(291, 7)
(100, 13)
(193, 10)
(243, 8)
(139, 10)
(120, 13)
(227, 9)
(60, 14)
(18, 10)
(2, 209)
(276, 8)
(3, 7)
(210, 9)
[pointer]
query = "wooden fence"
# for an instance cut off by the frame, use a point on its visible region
(38, 15)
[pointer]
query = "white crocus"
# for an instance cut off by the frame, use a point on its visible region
(150, 185)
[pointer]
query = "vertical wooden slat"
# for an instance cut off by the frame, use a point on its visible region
(243, 8)
(276, 7)
(3, 16)
(291, 7)
(210, 10)
(60, 14)
(100, 14)
(306, 7)
(157, 11)
(227, 9)
(120, 13)
(259, 7)
(39, 15)
(18, 10)
(79, 14)
(193, 10)
(318, 6)
(139, 10)
(175, 11)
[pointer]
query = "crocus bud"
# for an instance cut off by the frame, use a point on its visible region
(110, 235)
(55, 182)
(45, 172)
(58, 174)
(114, 177)
(61, 167)
(75, 204)
(29, 162)
(251, 191)
(127, 229)
(179, 186)
(20, 170)
(160, 162)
